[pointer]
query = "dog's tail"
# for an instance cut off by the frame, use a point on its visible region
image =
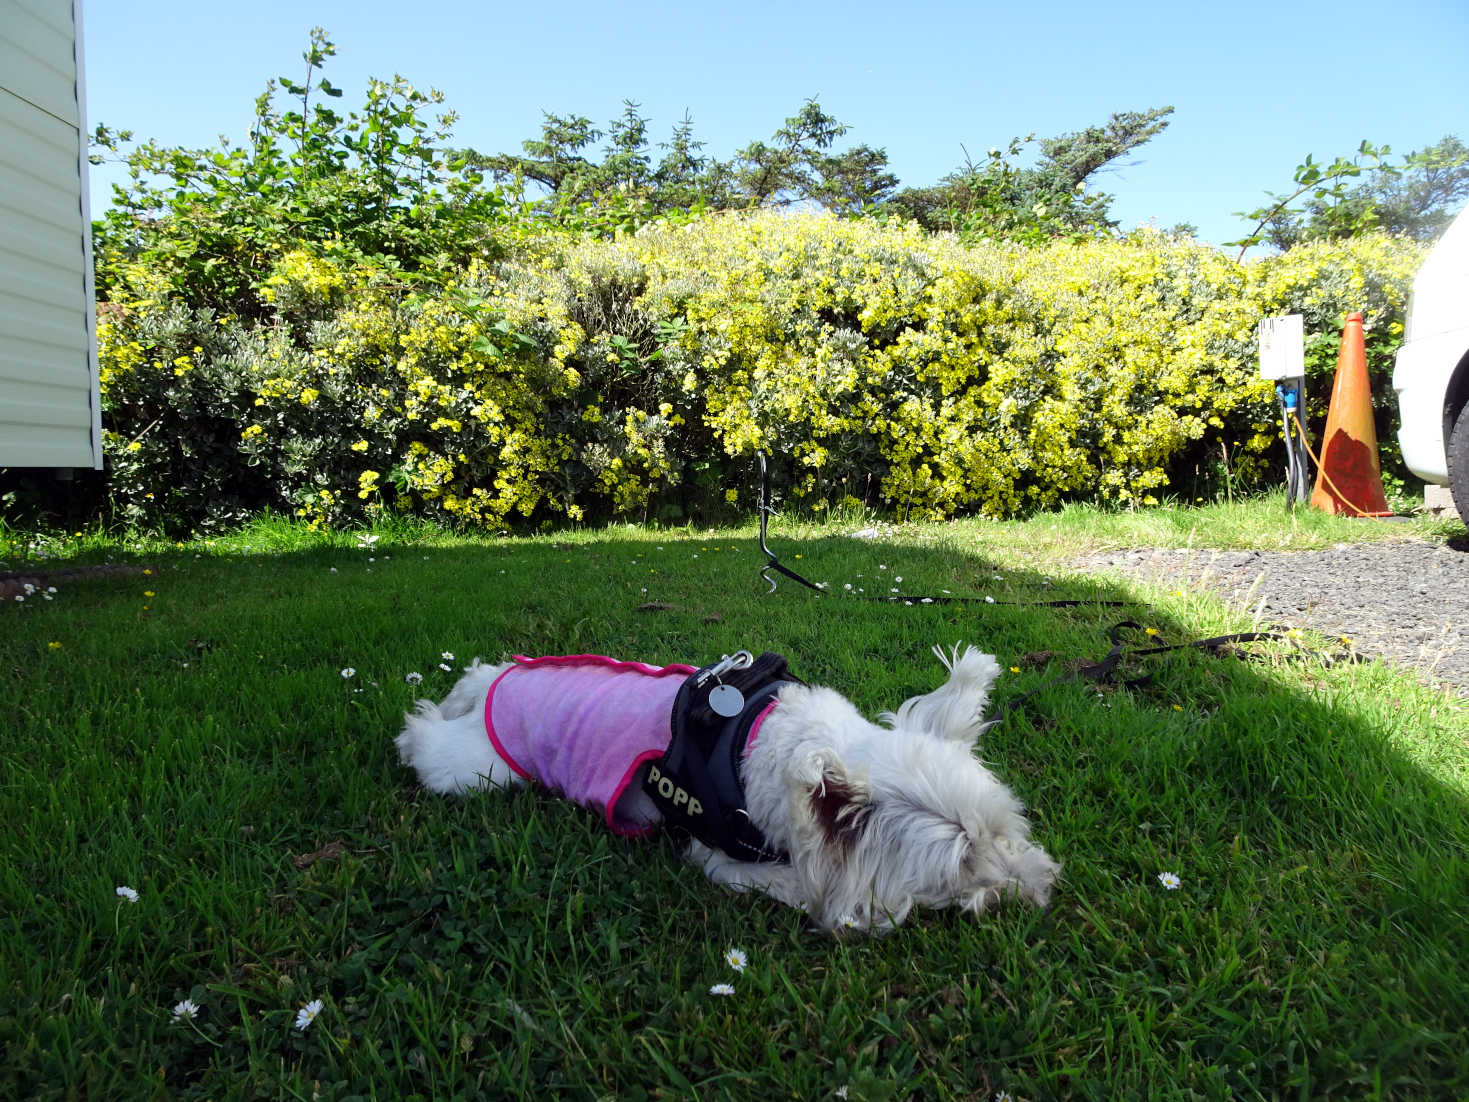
(450, 754)
(955, 710)
(416, 727)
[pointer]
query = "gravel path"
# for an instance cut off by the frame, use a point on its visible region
(1407, 602)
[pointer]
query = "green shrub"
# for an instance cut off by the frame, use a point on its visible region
(586, 379)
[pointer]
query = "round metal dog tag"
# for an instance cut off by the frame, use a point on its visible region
(726, 701)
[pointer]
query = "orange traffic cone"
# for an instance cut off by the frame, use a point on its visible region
(1350, 480)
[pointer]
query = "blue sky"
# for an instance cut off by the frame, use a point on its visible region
(1255, 86)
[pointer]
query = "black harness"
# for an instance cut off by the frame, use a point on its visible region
(696, 783)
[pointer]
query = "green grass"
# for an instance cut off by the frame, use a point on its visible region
(202, 746)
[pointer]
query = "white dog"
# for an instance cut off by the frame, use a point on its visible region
(853, 822)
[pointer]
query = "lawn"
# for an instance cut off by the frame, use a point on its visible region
(211, 727)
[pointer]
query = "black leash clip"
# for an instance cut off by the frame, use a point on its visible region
(766, 512)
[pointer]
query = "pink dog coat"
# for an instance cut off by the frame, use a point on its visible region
(582, 725)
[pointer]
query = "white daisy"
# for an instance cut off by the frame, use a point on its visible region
(722, 989)
(1170, 881)
(447, 656)
(413, 678)
(348, 672)
(186, 1009)
(736, 959)
(307, 1014)
(127, 893)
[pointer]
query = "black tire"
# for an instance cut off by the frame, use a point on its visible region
(1458, 454)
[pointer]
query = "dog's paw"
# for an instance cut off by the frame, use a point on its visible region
(1036, 875)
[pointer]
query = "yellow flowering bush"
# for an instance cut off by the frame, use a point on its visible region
(872, 362)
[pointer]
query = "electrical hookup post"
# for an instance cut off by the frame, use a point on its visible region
(1283, 359)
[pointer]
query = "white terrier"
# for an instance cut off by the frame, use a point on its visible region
(852, 822)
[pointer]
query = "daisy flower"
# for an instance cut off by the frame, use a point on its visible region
(736, 959)
(1170, 881)
(127, 893)
(348, 672)
(413, 678)
(307, 1014)
(722, 989)
(447, 656)
(446, 667)
(184, 1010)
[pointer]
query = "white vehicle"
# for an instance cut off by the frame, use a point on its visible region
(1431, 376)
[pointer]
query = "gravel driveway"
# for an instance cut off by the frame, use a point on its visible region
(1407, 602)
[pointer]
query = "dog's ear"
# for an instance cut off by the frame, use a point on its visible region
(839, 803)
(955, 710)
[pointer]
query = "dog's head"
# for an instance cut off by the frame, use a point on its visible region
(884, 818)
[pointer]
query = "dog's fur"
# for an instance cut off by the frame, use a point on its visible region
(876, 819)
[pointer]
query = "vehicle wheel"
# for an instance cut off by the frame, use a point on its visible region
(1458, 450)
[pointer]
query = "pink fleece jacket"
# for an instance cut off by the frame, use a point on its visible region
(583, 724)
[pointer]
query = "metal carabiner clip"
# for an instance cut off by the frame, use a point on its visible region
(739, 660)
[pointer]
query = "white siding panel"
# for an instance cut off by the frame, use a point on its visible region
(57, 16)
(21, 385)
(50, 142)
(48, 396)
(45, 446)
(38, 57)
(27, 279)
(47, 333)
(42, 232)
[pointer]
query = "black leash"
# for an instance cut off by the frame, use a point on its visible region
(1096, 672)
(773, 563)
(1104, 670)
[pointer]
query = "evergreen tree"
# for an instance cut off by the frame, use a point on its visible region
(999, 198)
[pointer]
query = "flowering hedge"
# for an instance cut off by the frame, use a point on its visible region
(589, 379)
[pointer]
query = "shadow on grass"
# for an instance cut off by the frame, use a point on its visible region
(199, 749)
